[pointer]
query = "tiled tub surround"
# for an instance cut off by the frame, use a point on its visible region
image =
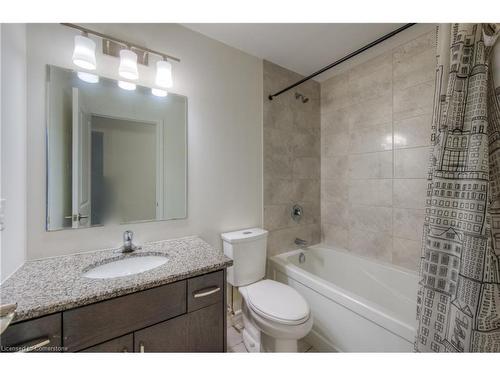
(375, 133)
(291, 160)
(50, 285)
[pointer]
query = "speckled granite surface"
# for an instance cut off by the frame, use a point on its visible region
(50, 285)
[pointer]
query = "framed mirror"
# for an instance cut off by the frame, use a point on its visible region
(113, 154)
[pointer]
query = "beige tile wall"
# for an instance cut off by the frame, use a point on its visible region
(375, 138)
(291, 160)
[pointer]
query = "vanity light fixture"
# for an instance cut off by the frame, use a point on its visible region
(128, 64)
(129, 86)
(84, 52)
(164, 74)
(130, 55)
(159, 92)
(88, 77)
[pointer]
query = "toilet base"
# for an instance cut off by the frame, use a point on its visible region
(273, 345)
(268, 344)
(251, 344)
(250, 333)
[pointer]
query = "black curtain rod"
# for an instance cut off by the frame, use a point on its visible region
(335, 63)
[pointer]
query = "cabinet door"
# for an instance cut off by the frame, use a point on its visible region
(206, 329)
(36, 335)
(90, 325)
(169, 336)
(124, 344)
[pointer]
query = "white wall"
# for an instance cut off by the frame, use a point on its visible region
(224, 90)
(13, 146)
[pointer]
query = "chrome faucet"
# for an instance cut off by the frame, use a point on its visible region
(128, 245)
(300, 242)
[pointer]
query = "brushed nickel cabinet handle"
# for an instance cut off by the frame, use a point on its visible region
(206, 292)
(141, 347)
(33, 345)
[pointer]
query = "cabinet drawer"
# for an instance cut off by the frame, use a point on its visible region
(93, 324)
(205, 290)
(169, 336)
(40, 335)
(122, 344)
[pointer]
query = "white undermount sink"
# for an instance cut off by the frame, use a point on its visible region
(126, 266)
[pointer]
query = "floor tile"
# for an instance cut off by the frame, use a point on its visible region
(240, 348)
(233, 337)
(303, 346)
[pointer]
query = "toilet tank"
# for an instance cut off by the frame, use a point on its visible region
(247, 249)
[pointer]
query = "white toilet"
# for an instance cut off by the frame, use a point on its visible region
(275, 316)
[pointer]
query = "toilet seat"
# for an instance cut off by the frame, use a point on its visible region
(276, 302)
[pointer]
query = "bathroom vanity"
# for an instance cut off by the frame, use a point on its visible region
(168, 296)
(176, 307)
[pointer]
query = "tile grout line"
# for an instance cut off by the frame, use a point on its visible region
(377, 152)
(332, 111)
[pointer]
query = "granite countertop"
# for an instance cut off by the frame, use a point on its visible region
(46, 286)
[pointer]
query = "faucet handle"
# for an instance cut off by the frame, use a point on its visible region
(128, 245)
(128, 235)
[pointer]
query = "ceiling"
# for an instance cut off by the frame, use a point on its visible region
(301, 47)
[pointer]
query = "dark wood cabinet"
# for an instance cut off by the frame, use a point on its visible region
(35, 335)
(89, 325)
(124, 344)
(184, 316)
(169, 336)
(206, 329)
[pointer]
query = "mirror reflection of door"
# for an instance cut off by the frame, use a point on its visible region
(81, 204)
(124, 169)
(113, 155)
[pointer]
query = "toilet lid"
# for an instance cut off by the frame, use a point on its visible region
(278, 302)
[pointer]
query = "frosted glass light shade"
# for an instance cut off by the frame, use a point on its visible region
(128, 64)
(88, 77)
(159, 92)
(84, 53)
(129, 86)
(164, 74)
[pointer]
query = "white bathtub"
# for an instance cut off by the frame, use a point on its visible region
(358, 305)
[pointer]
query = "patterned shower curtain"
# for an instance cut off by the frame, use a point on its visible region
(458, 303)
